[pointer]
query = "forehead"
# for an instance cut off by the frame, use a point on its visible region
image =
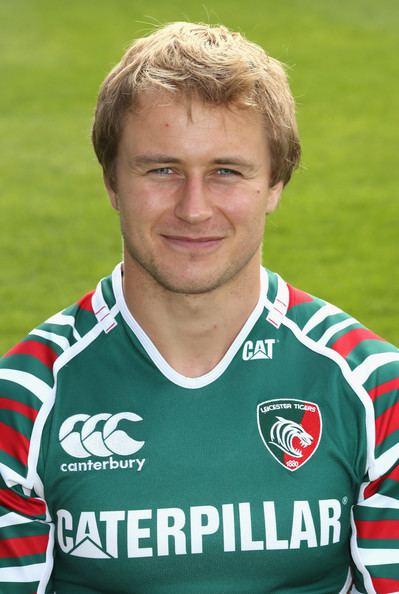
(152, 101)
(189, 124)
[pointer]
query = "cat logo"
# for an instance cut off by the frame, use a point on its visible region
(258, 349)
(290, 429)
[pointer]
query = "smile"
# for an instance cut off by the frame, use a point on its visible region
(192, 243)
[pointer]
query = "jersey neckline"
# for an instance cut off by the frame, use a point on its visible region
(160, 362)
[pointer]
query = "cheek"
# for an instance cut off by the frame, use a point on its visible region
(137, 205)
(248, 209)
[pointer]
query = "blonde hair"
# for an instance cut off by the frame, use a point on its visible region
(208, 62)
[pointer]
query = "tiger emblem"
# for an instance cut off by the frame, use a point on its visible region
(284, 432)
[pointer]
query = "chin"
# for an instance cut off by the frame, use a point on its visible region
(193, 278)
(188, 286)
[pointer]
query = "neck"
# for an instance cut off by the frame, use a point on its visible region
(192, 332)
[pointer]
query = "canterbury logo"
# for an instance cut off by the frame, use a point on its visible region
(283, 433)
(98, 435)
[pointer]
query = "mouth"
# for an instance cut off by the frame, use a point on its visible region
(192, 243)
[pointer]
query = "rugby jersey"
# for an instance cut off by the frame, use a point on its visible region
(275, 473)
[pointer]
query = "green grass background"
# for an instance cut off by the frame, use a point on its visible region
(335, 233)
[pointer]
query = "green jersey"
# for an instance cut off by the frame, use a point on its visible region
(275, 473)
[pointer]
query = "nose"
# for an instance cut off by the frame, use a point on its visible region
(193, 205)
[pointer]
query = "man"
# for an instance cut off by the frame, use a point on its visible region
(196, 425)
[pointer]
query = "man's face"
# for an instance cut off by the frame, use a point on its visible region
(192, 189)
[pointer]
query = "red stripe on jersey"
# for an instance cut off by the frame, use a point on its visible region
(85, 302)
(28, 506)
(385, 529)
(25, 545)
(14, 443)
(40, 351)
(346, 343)
(387, 423)
(23, 409)
(375, 485)
(385, 585)
(389, 386)
(297, 296)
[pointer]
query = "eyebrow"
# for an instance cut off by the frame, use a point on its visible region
(163, 158)
(148, 159)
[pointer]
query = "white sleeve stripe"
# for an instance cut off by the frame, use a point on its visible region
(323, 313)
(61, 341)
(105, 316)
(380, 501)
(384, 462)
(334, 329)
(48, 567)
(22, 573)
(13, 519)
(64, 320)
(35, 385)
(371, 557)
(371, 363)
(278, 308)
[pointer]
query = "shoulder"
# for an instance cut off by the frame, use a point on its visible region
(40, 349)
(27, 379)
(329, 327)
(366, 359)
(368, 365)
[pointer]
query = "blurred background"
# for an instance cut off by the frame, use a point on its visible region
(336, 232)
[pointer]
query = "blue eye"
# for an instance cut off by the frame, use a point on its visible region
(224, 171)
(162, 171)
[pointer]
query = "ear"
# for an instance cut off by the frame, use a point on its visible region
(111, 191)
(274, 196)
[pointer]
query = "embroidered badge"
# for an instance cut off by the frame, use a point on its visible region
(290, 429)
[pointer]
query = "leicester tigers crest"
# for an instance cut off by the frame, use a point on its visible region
(290, 430)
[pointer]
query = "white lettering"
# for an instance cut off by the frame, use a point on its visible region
(64, 523)
(330, 513)
(269, 407)
(173, 530)
(304, 407)
(248, 350)
(140, 463)
(84, 534)
(269, 347)
(229, 537)
(302, 526)
(87, 528)
(87, 466)
(113, 463)
(260, 347)
(112, 519)
(200, 528)
(272, 542)
(247, 543)
(135, 533)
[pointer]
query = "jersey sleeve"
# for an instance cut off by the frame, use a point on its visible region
(27, 393)
(26, 529)
(371, 367)
(375, 540)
